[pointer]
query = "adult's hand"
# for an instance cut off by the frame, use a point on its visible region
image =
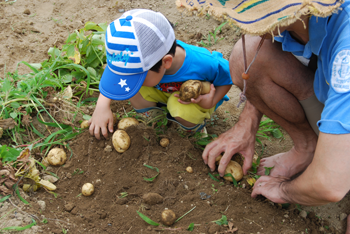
(239, 139)
(270, 187)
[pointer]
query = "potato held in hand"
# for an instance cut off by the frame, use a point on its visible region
(121, 141)
(192, 89)
(232, 168)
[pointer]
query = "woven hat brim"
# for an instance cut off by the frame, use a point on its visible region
(258, 17)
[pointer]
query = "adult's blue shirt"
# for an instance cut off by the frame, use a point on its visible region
(329, 39)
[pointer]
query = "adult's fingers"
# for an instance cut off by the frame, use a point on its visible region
(225, 160)
(247, 164)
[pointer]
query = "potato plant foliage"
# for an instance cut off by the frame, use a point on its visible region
(78, 66)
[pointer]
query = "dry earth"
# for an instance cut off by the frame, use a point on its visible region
(28, 30)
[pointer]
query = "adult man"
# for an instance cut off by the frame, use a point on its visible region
(283, 88)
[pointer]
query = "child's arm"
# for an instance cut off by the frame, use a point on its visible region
(101, 117)
(209, 100)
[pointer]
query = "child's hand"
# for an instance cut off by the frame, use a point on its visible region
(101, 118)
(205, 101)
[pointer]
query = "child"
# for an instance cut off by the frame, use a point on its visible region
(146, 65)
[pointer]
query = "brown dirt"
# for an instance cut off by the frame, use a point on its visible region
(29, 28)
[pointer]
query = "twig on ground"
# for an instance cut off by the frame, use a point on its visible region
(253, 222)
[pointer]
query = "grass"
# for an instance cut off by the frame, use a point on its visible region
(212, 37)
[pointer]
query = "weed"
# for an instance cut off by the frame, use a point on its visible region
(212, 36)
(44, 221)
(207, 16)
(77, 171)
(213, 188)
(222, 221)
(123, 194)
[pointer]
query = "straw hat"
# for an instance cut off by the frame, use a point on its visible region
(258, 17)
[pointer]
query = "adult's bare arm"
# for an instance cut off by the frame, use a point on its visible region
(324, 181)
(239, 139)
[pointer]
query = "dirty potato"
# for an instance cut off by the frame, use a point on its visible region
(87, 189)
(127, 122)
(84, 124)
(190, 89)
(233, 168)
(168, 217)
(121, 141)
(164, 142)
(56, 157)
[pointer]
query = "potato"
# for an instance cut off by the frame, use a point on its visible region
(205, 87)
(121, 141)
(164, 142)
(87, 189)
(233, 168)
(56, 157)
(193, 88)
(189, 169)
(190, 89)
(168, 217)
(127, 122)
(84, 124)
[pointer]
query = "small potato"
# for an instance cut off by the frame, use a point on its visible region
(164, 142)
(205, 87)
(87, 189)
(127, 122)
(168, 217)
(190, 89)
(121, 141)
(56, 157)
(233, 168)
(189, 169)
(84, 124)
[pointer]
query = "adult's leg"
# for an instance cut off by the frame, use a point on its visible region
(278, 81)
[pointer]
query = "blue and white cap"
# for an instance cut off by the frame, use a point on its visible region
(135, 42)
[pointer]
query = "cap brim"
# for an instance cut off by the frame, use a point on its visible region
(120, 87)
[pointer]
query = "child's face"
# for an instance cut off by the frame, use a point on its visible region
(153, 78)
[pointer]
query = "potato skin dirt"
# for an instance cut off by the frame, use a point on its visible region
(190, 89)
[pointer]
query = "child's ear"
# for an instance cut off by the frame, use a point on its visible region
(167, 61)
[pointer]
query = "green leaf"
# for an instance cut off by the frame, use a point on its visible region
(147, 220)
(234, 181)
(92, 26)
(5, 198)
(153, 168)
(277, 133)
(8, 154)
(13, 115)
(268, 170)
(71, 37)
(86, 117)
(20, 228)
(222, 221)
(190, 227)
(70, 51)
(20, 197)
(213, 177)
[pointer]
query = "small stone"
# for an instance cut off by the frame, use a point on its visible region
(303, 214)
(243, 185)
(26, 11)
(42, 205)
(108, 148)
(69, 206)
(286, 216)
(121, 201)
(69, 175)
(121, 10)
(186, 186)
(74, 211)
(152, 198)
(342, 216)
(321, 229)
